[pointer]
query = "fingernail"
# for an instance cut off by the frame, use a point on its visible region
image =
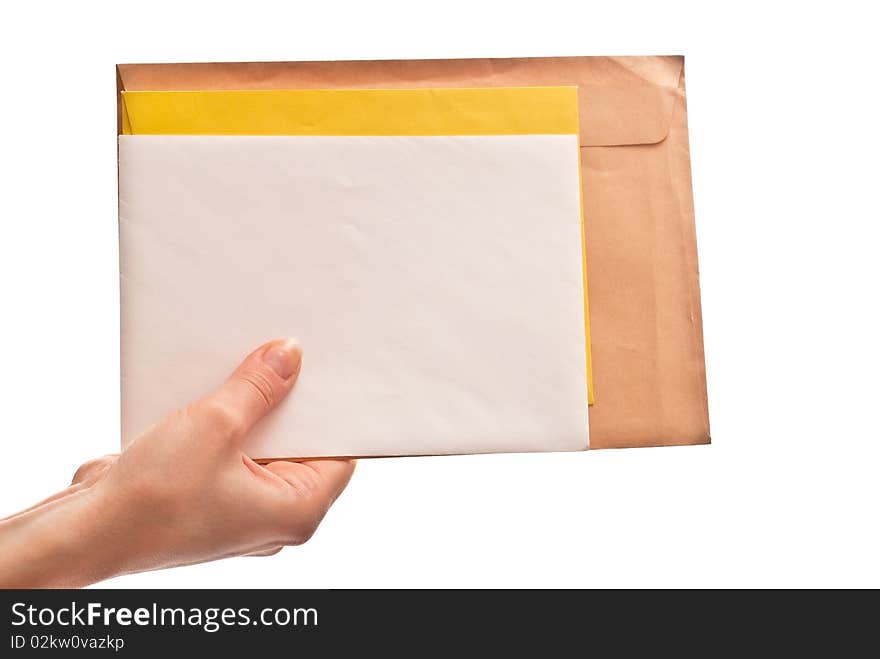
(284, 358)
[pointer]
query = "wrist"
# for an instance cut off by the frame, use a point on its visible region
(69, 542)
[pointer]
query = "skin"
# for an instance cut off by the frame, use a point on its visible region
(182, 493)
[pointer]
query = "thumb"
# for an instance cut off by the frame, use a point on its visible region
(260, 382)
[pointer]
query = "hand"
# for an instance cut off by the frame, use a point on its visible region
(182, 493)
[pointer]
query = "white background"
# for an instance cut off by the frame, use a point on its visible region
(784, 137)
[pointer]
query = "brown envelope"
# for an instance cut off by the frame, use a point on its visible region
(647, 338)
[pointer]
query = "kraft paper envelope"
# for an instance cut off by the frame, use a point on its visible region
(645, 317)
(424, 245)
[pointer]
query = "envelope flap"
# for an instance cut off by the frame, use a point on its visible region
(623, 100)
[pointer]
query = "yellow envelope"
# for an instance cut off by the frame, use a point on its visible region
(482, 111)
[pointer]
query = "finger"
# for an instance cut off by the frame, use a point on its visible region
(335, 472)
(313, 486)
(265, 552)
(93, 469)
(322, 480)
(256, 387)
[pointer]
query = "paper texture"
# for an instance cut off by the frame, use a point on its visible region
(449, 111)
(645, 316)
(435, 283)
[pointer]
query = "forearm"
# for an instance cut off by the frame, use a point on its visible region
(64, 542)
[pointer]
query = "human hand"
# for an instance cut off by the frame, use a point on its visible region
(182, 493)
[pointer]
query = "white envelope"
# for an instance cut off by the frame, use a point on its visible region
(435, 283)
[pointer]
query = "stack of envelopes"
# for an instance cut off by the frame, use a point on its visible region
(428, 244)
